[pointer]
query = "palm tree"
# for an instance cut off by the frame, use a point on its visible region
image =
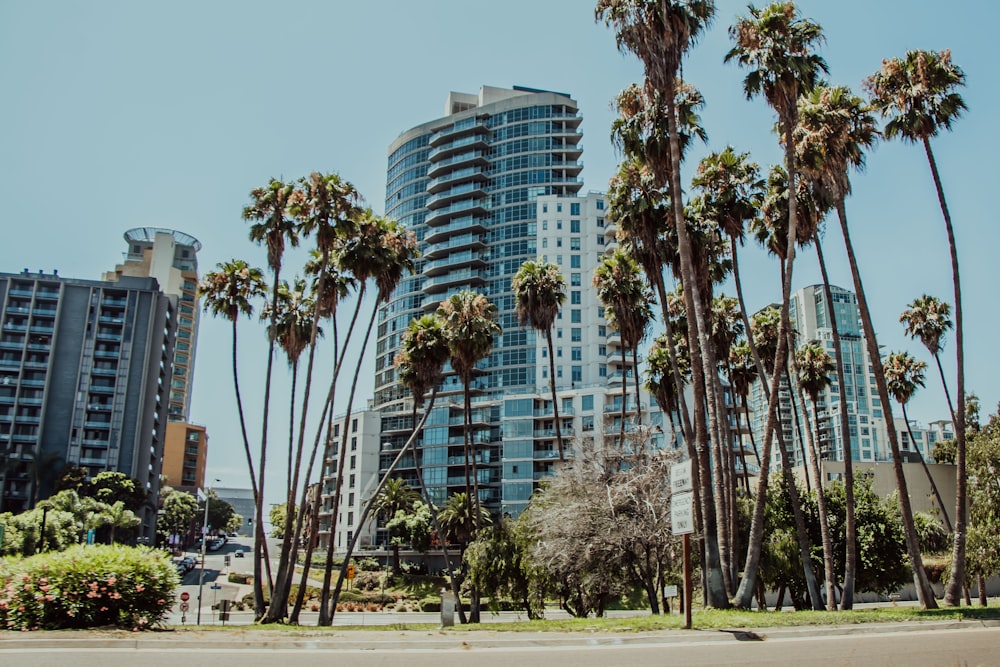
(382, 250)
(273, 227)
(813, 367)
(777, 46)
(836, 128)
(742, 374)
(470, 327)
(660, 384)
(625, 298)
(230, 292)
(117, 516)
(903, 374)
(458, 522)
(396, 495)
(540, 291)
(928, 319)
(919, 96)
(660, 34)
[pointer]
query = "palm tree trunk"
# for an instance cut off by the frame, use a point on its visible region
(761, 371)
(293, 618)
(744, 595)
(923, 462)
(417, 463)
(326, 610)
(366, 512)
(697, 332)
(635, 376)
(850, 523)
(824, 521)
(621, 436)
(798, 426)
(944, 385)
(258, 584)
(953, 589)
(552, 388)
(259, 537)
(924, 591)
(745, 478)
(753, 440)
(800, 531)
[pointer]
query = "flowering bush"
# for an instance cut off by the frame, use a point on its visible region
(87, 586)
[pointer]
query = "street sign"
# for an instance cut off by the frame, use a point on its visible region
(216, 587)
(185, 606)
(670, 591)
(680, 477)
(350, 571)
(185, 596)
(682, 513)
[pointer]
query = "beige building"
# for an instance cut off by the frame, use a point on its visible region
(184, 455)
(170, 257)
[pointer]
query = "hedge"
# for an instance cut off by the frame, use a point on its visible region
(87, 586)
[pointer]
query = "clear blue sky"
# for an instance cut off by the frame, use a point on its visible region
(125, 114)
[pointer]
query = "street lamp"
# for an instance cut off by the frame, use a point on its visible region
(204, 541)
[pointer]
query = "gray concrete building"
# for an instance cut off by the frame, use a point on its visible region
(84, 376)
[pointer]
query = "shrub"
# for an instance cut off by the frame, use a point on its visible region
(240, 578)
(931, 533)
(367, 565)
(87, 586)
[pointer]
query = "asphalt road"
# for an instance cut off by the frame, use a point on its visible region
(914, 648)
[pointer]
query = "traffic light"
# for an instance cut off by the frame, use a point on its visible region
(250, 521)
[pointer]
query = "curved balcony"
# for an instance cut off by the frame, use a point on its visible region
(457, 260)
(456, 177)
(443, 242)
(463, 190)
(466, 126)
(459, 208)
(453, 279)
(462, 160)
(570, 152)
(475, 142)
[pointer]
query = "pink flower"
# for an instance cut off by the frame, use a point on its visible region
(111, 581)
(139, 588)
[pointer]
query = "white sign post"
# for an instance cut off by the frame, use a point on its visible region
(682, 522)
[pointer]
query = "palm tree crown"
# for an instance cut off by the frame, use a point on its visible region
(927, 318)
(230, 291)
(777, 45)
(917, 94)
(273, 225)
(903, 374)
(423, 356)
(469, 321)
(539, 292)
(815, 367)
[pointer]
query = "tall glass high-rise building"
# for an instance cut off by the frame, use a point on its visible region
(467, 184)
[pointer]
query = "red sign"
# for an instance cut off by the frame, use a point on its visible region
(185, 596)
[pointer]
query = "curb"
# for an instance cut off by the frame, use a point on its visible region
(439, 640)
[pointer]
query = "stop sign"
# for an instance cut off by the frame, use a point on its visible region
(185, 596)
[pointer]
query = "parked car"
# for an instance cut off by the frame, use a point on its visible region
(189, 562)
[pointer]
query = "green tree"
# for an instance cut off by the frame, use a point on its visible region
(903, 374)
(928, 319)
(539, 292)
(278, 515)
(396, 496)
(117, 517)
(109, 487)
(411, 526)
(919, 96)
(179, 511)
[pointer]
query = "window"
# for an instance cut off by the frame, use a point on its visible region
(574, 208)
(574, 243)
(600, 204)
(600, 239)
(354, 426)
(545, 208)
(576, 334)
(603, 371)
(574, 297)
(602, 330)
(354, 461)
(559, 352)
(545, 225)
(354, 443)
(559, 260)
(587, 402)
(576, 354)
(545, 242)
(576, 374)
(574, 279)
(350, 498)
(574, 261)
(558, 371)
(602, 350)
(558, 224)
(574, 226)
(558, 208)
(600, 222)
(559, 243)
(575, 316)
(558, 333)
(350, 481)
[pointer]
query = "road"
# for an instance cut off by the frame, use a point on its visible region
(915, 648)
